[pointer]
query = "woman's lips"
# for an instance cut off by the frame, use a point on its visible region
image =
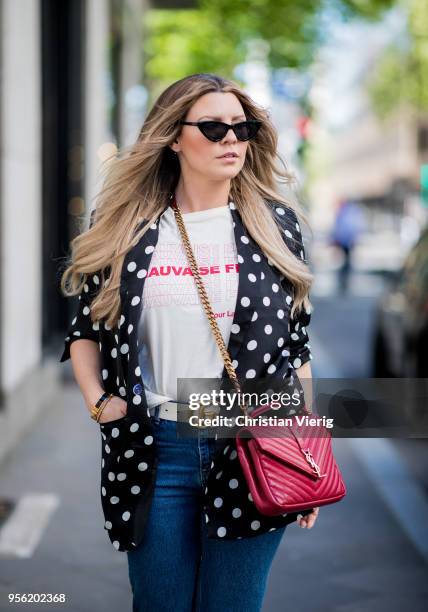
(229, 158)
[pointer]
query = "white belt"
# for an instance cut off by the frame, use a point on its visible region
(167, 410)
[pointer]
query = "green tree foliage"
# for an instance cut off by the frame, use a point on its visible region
(180, 42)
(213, 36)
(401, 73)
(366, 9)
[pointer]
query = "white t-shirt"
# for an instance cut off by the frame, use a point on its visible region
(176, 340)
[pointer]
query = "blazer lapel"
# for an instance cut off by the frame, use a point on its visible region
(247, 296)
(134, 272)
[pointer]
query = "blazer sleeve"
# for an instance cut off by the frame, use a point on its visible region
(82, 327)
(300, 350)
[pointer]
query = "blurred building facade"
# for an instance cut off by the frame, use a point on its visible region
(70, 71)
(365, 158)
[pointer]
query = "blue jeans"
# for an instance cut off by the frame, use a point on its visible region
(176, 567)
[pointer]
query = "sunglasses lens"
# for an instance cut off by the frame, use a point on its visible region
(246, 130)
(213, 130)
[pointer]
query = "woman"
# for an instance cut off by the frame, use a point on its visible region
(180, 506)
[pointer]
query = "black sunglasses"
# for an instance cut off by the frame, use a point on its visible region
(217, 130)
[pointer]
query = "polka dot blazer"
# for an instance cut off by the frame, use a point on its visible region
(128, 449)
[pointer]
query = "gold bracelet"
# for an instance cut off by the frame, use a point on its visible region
(103, 405)
(96, 411)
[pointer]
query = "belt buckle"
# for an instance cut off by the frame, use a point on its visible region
(188, 412)
(201, 412)
(206, 412)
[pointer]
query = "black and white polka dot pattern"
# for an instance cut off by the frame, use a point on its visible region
(263, 343)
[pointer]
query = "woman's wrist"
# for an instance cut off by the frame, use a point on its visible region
(92, 395)
(99, 407)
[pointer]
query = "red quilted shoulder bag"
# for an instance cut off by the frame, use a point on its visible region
(296, 471)
(288, 473)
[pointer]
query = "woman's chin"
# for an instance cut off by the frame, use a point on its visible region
(227, 173)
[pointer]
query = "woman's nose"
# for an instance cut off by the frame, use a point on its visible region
(230, 136)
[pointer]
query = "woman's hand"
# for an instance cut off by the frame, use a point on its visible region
(308, 520)
(116, 408)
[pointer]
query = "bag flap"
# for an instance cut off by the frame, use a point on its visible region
(289, 447)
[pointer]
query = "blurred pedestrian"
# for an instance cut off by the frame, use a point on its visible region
(347, 228)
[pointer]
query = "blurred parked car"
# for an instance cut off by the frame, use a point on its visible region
(400, 338)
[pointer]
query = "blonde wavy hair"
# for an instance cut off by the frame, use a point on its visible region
(140, 177)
